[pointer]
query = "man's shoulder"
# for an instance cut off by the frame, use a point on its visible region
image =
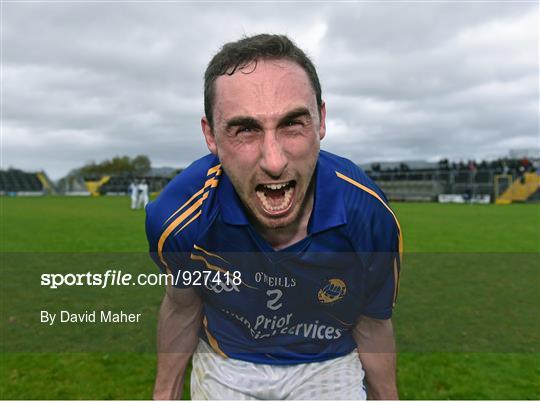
(366, 205)
(184, 198)
(352, 181)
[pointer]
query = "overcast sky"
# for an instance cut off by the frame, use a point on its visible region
(88, 80)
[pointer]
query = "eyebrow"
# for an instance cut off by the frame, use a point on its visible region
(245, 121)
(293, 114)
(248, 121)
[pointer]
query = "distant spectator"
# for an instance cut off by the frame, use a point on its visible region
(505, 168)
(521, 173)
(472, 168)
(134, 192)
(467, 196)
(443, 164)
(143, 194)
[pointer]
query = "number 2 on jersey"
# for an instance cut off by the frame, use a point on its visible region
(275, 296)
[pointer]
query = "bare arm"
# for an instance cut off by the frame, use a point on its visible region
(377, 351)
(177, 338)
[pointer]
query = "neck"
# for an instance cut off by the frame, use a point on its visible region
(280, 238)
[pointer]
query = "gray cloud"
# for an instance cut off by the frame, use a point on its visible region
(90, 80)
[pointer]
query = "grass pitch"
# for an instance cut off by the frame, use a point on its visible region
(466, 322)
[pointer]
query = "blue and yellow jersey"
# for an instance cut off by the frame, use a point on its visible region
(295, 305)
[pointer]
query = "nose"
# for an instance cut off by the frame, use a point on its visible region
(273, 159)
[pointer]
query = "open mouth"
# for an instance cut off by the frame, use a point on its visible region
(276, 198)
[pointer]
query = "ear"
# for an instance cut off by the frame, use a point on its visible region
(209, 135)
(322, 128)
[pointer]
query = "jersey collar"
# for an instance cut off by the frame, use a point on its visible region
(329, 207)
(328, 210)
(232, 210)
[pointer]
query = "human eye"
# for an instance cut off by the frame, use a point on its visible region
(294, 123)
(293, 126)
(244, 130)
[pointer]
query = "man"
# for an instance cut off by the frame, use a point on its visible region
(134, 192)
(312, 238)
(143, 194)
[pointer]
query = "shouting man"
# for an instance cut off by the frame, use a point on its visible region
(285, 258)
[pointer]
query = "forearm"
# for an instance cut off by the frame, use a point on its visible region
(177, 338)
(376, 349)
(380, 371)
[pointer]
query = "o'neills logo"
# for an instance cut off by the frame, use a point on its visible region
(332, 291)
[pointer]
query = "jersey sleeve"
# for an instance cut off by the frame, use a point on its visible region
(170, 253)
(382, 275)
(376, 236)
(175, 218)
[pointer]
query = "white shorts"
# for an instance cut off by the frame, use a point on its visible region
(215, 377)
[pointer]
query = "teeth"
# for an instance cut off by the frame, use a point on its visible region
(275, 186)
(282, 205)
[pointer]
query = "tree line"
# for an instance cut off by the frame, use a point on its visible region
(140, 165)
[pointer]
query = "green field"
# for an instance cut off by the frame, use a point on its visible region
(467, 320)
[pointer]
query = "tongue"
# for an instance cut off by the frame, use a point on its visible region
(274, 194)
(274, 197)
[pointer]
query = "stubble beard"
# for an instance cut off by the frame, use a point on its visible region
(258, 219)
(264, 223)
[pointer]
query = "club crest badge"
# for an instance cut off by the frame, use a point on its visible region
(332, 291)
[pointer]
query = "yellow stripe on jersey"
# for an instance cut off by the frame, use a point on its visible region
(208, 265)
(209, 253)
(210, 183)
(400, 236)
(197, 257)
(174, 225)
(214, 169)
(188, 222)
(213, 342)
(396, 281)
(374, 194)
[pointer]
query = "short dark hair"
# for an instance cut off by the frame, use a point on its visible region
(237, 55)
